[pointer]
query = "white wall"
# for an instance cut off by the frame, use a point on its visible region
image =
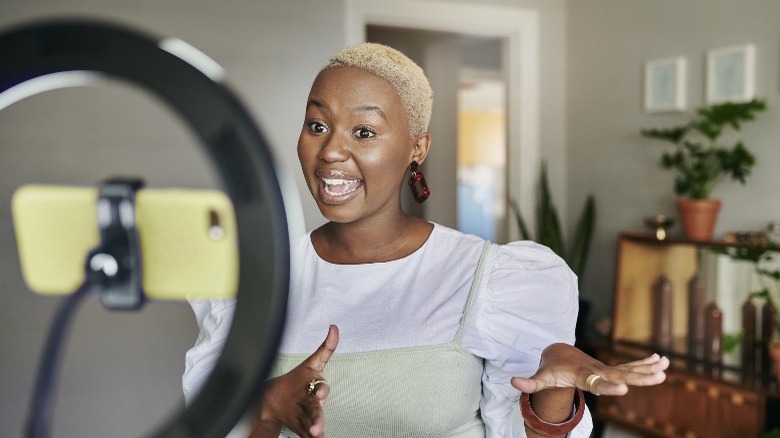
(609, 41)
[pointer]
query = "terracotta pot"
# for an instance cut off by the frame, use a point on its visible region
(698, 217)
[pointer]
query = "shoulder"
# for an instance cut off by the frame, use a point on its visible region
(504, 263)
(526, 255)
(444, 238)
(527, 299)
(517, 255)
(454, 248)
(529, 270)
(526, 287)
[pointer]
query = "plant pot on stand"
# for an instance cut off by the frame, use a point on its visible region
(698, 217)
(700, 160)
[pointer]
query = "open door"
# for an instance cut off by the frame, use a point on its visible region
(466, 168)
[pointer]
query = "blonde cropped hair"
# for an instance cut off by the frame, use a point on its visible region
(406, 77)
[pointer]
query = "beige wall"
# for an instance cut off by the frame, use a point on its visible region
(609, 41)
(591, 111)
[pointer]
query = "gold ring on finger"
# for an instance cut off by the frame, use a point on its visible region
(590, 382)
(313, 384)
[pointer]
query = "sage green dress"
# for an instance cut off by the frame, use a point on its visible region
(413, 392)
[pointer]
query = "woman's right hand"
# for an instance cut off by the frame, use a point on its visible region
(287, 401)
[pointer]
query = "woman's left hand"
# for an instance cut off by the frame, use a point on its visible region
(565, 366)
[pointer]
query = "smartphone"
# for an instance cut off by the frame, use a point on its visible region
(188, 240)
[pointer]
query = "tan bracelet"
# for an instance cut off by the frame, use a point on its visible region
(551, 429)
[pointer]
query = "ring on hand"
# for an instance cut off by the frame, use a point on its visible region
(590, 381)
(313, 384)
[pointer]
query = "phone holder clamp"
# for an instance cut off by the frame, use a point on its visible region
(113, 267)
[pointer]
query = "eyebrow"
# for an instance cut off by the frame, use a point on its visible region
(371, 108)
(366, 108)
(315, 102)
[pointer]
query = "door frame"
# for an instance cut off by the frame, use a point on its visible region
(520, 28)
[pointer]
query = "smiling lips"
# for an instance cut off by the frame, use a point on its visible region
(336, 191)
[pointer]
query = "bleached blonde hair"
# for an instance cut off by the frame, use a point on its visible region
(406, 77)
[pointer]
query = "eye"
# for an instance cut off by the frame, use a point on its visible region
(364, 133)
(317, 127)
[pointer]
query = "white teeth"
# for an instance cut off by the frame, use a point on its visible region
(336, 182)
(340, 187)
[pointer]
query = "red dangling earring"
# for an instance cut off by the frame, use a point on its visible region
(414, 179)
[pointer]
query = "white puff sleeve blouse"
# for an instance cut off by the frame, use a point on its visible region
(526, 300)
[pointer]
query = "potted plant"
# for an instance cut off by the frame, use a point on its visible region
(548, 228)
(548, 233)
(700, 161)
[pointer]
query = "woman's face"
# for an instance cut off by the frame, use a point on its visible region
(355, 145)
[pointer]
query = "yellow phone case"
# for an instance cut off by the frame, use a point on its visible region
(188, 239)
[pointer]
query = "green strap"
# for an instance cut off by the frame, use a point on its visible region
(474, 288)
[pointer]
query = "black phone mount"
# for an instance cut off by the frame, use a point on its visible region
(112, 270)
(113, 267)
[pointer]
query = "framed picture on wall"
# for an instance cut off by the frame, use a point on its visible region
(731, 74)
(665, 85)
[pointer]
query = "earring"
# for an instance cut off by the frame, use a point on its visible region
(414, 179)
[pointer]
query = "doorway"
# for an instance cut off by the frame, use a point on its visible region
(466, 168)
(518, 28)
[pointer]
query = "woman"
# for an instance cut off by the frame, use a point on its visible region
(430, 332)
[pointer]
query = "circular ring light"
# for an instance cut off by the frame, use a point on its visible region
(64, 53)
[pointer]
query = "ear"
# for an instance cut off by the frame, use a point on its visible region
(421, 147)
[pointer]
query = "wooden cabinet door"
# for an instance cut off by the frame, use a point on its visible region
(686, 405)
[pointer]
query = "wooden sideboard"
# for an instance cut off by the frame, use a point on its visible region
(701, 397)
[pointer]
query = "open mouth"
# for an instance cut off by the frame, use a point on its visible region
(338, 190)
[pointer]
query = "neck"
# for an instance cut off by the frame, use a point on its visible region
(369, 241)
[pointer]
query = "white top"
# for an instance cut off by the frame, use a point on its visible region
(527, 300)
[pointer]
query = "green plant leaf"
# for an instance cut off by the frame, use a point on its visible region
(582, 237)
(737, 162)
(673, 135)
(709, 129)
(548, 229)
(524, 233)
(731, 341)
(698, 164)
(757, 254)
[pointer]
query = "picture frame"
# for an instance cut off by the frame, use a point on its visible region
(665, 85)
(731, 74)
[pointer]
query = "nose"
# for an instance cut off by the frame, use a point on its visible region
(333, 150)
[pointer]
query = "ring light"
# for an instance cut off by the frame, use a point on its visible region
(65, 53)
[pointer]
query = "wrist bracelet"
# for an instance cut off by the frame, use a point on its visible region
(552, 429)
